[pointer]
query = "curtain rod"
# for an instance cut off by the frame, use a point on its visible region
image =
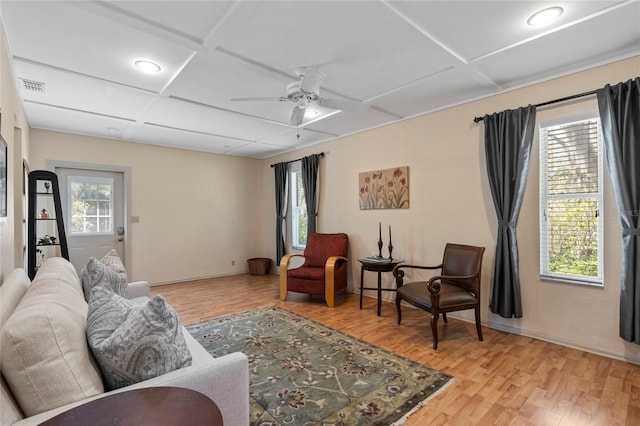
(554, 101)
(293, 161)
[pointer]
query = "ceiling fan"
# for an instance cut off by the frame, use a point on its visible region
(306, 91)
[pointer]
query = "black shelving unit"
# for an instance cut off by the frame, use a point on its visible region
(46, 234)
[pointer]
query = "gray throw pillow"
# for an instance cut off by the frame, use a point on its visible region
(132, 342)
(113, 260)
(108, 272)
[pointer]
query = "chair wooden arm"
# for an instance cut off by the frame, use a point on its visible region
(284, 265)
(330, 277)
(398, 273)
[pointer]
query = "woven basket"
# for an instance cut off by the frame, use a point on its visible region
(259, 266)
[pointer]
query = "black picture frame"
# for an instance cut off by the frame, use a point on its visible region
(3, 177)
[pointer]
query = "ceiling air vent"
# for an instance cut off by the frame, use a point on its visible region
(33, 86)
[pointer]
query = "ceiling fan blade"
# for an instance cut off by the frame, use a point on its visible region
(311, 79)
(343, 104)
(297, 115)
(279, 98)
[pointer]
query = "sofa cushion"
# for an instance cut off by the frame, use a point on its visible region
(46, 361)
(11, 292)
(133, 342)
(108, 272)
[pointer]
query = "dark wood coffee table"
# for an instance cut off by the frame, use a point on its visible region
(146, 406)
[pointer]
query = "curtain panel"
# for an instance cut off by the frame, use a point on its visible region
(619, 107)
(281, 175)
(310, 168)
(508, 139)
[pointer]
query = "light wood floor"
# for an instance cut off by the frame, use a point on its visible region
(504, 380)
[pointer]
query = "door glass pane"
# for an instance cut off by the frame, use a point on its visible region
(90, 205)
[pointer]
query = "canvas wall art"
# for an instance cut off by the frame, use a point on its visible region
(384, 189)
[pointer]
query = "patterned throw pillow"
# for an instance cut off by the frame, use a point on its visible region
(132, 343)
(113, 260)
(108, 272)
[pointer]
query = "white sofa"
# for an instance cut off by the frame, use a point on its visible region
(56, 293)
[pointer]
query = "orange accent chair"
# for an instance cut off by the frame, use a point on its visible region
(324, 271)
(457, 287)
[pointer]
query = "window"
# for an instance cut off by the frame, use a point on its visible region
(571, 201)
(90, 205)
(298, 209)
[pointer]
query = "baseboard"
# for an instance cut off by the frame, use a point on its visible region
(563, 342)
(199, 278)
(633, 359)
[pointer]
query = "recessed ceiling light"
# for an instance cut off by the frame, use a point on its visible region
(147, 66)
(545, 16)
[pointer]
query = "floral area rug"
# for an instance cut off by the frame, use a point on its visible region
(305, 373)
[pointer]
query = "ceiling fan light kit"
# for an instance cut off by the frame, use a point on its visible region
(306, 91)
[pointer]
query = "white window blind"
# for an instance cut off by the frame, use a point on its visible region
(298, 209)
(571, 201)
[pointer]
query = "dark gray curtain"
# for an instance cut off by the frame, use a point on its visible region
(281, 209)
(619, 107)
(508, 137)
(310, 166)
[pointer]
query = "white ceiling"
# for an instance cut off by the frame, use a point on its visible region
(404, 58)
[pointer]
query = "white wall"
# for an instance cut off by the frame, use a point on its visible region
(450, 201)
(197, 211)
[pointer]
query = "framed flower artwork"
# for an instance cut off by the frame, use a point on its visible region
(384, 189)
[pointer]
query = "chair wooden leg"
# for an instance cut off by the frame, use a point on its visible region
(434, 329)
(478, 325)
(444, 317)
(398, 300)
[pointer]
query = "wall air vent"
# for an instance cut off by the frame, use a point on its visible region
(33, 86)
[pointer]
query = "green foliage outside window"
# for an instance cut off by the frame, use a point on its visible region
(573, 240)
(90, 207)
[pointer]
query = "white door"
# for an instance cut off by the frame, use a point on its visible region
(94, 212)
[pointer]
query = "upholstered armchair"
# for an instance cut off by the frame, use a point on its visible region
(455, 288)
(324, 271)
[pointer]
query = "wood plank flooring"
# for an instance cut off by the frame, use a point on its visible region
(504, 380)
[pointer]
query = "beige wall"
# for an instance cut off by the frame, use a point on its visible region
(451, 202)
(197, 211)
(14, 130)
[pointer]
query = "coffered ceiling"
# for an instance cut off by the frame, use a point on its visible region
(402, 58)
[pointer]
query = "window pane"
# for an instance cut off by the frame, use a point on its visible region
(570, 201)
(572, 158)
(298, 211)
(90, 204)
(573, 236)
(103, 208)
(91, 224)
(105, 224)
(91, 208)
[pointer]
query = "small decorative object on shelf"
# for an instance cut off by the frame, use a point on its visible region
(380, 240)
(390, 245)
(47, 185)
(44, 214)
(45, 241)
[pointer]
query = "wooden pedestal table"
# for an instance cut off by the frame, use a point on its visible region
(145, 406)
(379, 266)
